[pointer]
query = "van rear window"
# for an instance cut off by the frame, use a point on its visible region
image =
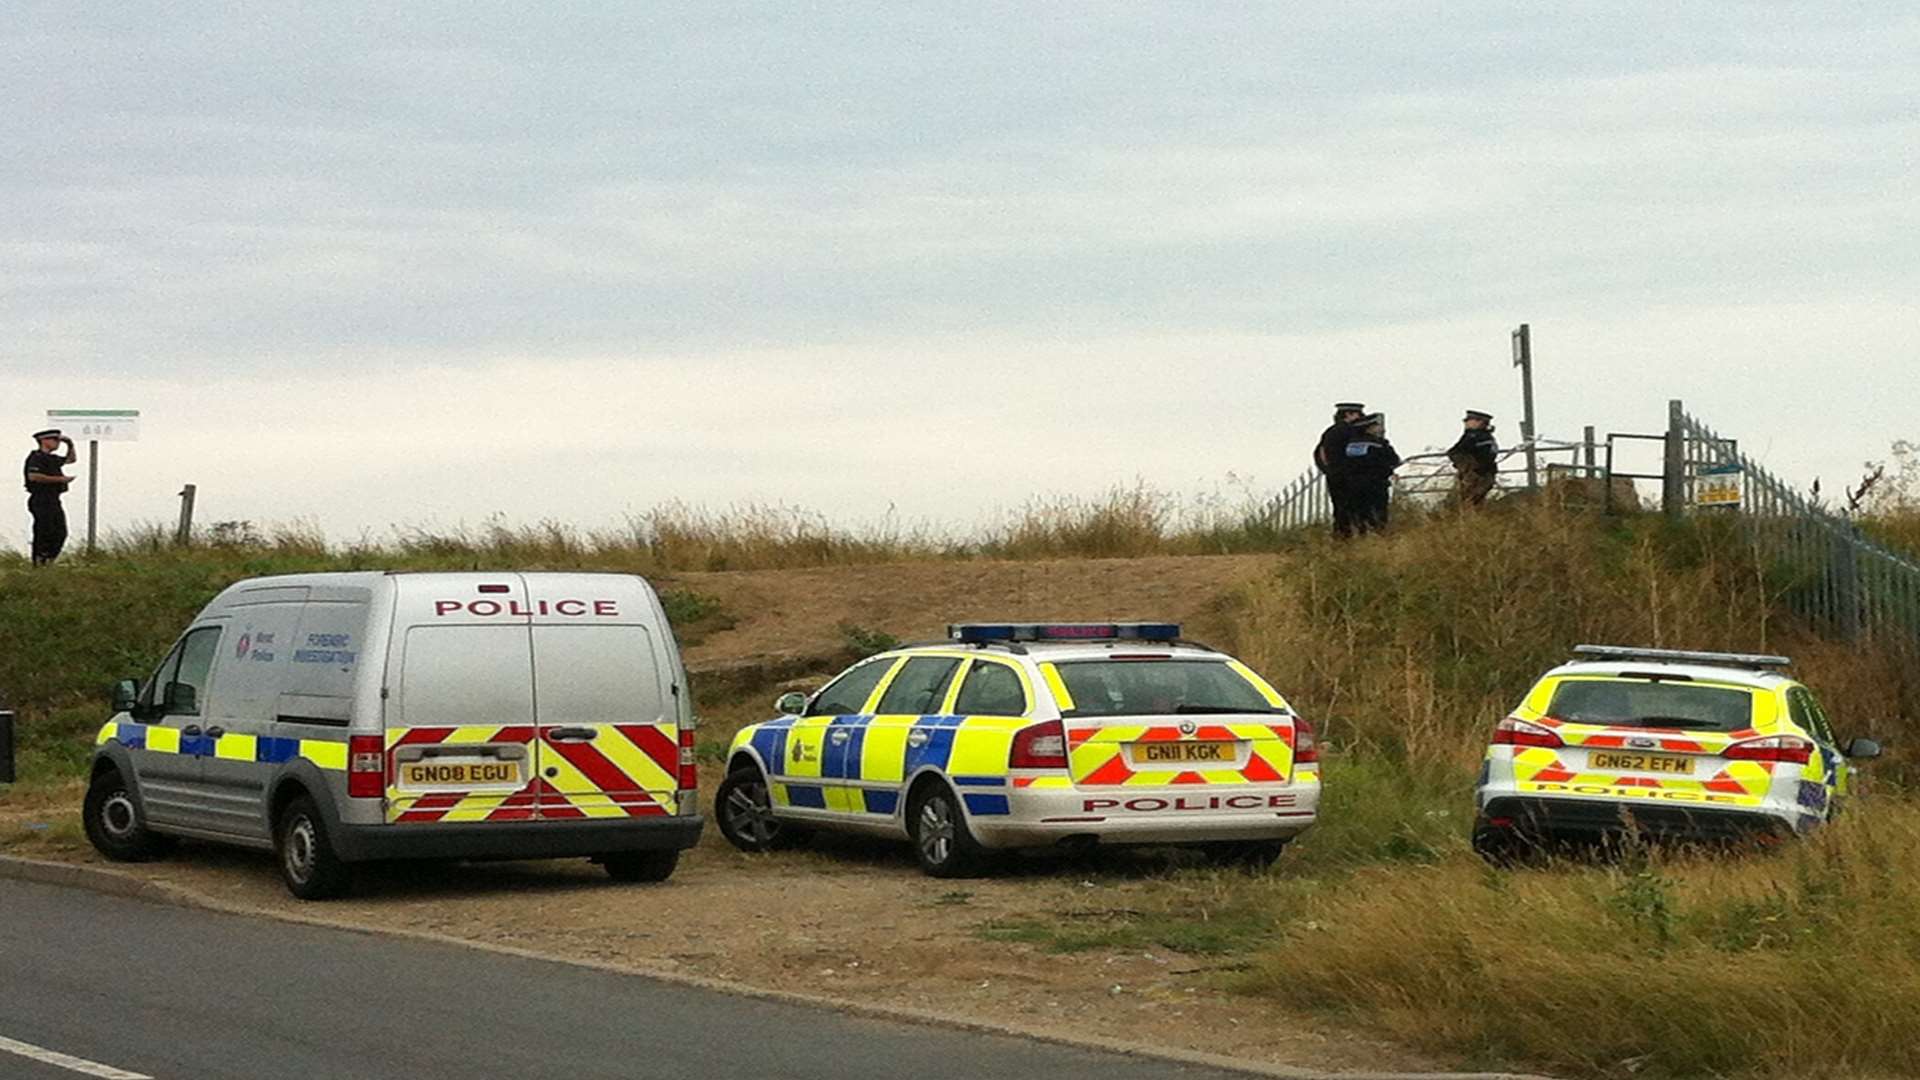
(1645, 703)
(454, 675)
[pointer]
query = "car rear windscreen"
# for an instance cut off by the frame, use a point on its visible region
(1645, 703)
(1158, 688)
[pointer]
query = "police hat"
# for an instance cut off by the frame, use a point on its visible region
(1349, 406)
(1371, 419)
(50, 433)
(1476, 414)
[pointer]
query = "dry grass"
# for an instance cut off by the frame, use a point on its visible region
(1801, 963)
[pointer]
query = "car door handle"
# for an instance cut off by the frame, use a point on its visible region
(215, 732)
(840, 736)
(190, 729)
(571, 734)
(917, 738)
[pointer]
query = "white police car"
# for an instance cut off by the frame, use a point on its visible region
(1029, 736)
(1681, 745)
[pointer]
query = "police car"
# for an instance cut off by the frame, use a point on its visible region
(1030, 736)
(1677, 745)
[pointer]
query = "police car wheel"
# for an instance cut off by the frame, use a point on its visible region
(640, 866)
(308, 864)
(1253, 855)
(941, 840)
(113, 823)
(743, 809)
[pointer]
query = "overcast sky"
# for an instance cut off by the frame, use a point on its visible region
(368, 265)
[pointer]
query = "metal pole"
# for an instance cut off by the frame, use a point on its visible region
(1523, 359)
(93, 491)
(1672, 480)
(184, 534)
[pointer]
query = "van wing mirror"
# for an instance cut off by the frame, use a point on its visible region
(791, 703)
(182, 698)
(126, 695)
(1863, 749)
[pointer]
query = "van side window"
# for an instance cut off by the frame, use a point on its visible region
(186, 691)
(991, 690)
(848, 694)
(919, 688)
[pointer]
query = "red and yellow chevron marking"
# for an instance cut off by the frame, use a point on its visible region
(627, 771)
(1098, 756)
(1539, 770)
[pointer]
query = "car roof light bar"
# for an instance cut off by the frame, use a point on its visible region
(1000, 633)
(1680, 656)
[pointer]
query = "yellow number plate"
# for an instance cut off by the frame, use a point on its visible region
(1659, 763)
(458, 773)
(1182, 753)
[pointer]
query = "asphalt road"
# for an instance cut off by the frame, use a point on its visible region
(137, 989)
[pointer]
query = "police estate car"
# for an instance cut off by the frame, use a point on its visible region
(1026, 736)
(1682, 745)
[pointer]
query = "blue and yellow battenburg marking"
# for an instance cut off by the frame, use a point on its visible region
(161, 739)
(845, 752)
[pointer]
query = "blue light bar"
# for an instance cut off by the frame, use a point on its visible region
(984, 633)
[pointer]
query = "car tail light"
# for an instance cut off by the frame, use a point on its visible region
(366, 766)
(689, 770)
(1306, 747)
(1773, 748)
(1514, 731)
(1039, 746)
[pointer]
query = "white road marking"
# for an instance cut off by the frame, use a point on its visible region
(67, 1061)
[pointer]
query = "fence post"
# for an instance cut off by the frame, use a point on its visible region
(1673, 476)
(183, 535)
(7, 774)
(1523, 359)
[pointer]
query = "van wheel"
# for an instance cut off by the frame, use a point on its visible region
(941, 840)
(1249, 855)
(113, 821)
(743, 809)
(307, 861)
(641, 866)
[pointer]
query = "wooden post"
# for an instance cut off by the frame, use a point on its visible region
(1523, 359)
(1673, 480)
(184, 534)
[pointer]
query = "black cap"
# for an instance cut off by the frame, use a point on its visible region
(50, 433)
(1349, 406)
(1476, 414)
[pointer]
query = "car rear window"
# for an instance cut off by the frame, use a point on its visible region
(1158, 688)
(1645, 703)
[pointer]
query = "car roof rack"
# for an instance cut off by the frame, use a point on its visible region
(1755, 661)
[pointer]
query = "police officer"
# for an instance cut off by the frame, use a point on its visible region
(1475, 459)
(1330, 457)
(1371, 460)
(46, 482)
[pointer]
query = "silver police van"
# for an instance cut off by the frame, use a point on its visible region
(337, 719)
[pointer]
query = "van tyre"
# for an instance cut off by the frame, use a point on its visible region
(941, 840)
(743, 809)
(114, 823)
(1252, 856)
(641, 866)
(308, 863)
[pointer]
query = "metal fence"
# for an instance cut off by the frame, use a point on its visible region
(1424, 478)
(1301, 503)
(1826, 569)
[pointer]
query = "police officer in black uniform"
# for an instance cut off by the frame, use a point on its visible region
(1330, 457)
(1476, 459)
(1371, 460)
(46, 481)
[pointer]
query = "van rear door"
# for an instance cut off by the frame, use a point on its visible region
(460, 727)
(608, 726)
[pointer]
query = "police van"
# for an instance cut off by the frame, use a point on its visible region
(337, 719)
(1015, 736)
